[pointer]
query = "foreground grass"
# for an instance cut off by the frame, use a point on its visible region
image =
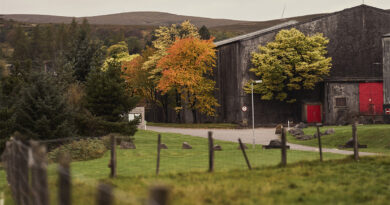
(332, 182)
(200, 125)
(376, 137)
(137, 167)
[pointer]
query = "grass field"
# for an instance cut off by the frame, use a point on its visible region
(140, 164)
(341, 181)
(376, 137)
(200, 125)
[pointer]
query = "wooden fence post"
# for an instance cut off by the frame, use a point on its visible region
(64, 180)
(244, 153)
(158, 195)
(10, 167)
(39, 184)
(284, 148)
(158, 153)
(355, 142)
(113, 157)
(319, 140)
(211, 152)
(104, 195)
(23, 172)
(15, 176)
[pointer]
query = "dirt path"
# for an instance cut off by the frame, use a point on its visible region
(262, 136)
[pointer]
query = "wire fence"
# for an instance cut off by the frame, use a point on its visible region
(26, 165)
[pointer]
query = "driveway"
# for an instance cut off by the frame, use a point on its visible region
(262, 136)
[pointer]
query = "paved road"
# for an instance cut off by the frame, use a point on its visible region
(262, 136)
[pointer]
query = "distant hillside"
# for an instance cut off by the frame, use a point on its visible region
(246, 27)
(130, 18)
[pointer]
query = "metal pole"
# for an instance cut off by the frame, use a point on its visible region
(253, 120)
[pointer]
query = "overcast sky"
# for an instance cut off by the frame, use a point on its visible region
(255, 10)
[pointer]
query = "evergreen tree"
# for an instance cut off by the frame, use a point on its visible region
(107, 98)
(204, 33)
(7, 119)
(106, 93)
(42, 112)
(85, 53)
(21, 57)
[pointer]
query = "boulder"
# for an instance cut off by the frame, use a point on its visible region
(301, 125)
(278, 130)
(296, 131)
(186, 146)
(304, 137)
(329, 131)
(244, 145)
(127, 145)
(274, 144)
(163, 146)
(217, 148)
(349, 144)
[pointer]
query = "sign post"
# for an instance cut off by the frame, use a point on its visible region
(253, 114)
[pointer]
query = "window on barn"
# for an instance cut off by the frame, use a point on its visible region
(341, 102)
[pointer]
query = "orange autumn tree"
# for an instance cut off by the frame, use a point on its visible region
(187, 69)
(137, 79)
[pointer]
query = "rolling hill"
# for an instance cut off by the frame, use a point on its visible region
(129, 18)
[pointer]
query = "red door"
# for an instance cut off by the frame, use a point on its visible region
(313, 113)
(371, 98)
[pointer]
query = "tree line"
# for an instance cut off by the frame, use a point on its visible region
(63, 80)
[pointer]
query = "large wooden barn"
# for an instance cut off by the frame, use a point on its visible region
(355, 84)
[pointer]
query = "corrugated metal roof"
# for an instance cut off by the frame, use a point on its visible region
(256, 33)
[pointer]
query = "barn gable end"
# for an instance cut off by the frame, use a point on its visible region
(355, 47)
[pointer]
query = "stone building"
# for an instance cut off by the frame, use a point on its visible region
(354, 87)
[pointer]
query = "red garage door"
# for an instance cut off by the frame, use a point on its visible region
(313, 113)
(371, 98)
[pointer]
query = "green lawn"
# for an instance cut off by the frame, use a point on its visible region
(332, 182)
(185, 169)
(376, 137)
(200, 125)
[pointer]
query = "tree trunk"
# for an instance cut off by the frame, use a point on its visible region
(194, 116)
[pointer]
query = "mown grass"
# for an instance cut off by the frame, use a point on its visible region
(136, 169)
(376, 137)
(199, 125)
(341, 181)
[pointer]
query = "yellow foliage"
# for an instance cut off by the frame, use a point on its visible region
(290, 63)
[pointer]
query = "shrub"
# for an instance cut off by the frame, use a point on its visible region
(85, 149)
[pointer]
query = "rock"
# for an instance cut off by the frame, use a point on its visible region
(329, 131)
(127, 145)
(217, 148)
(278, 130)
(163, 146)
(301, 125)
(315, 135)
(296, 131)
(349, 144)
(186, 146)
(274, 144)
(304, 137)
(245, 147)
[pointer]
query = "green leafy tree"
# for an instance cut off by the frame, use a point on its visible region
(108, 99)
(291, 63)
(204, 33)
(42, 111)
(134, 45)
